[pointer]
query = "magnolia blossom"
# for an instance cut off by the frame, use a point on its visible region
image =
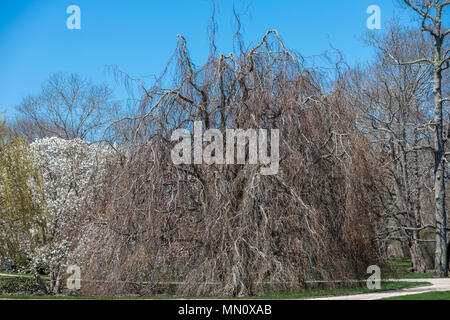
(71, 170)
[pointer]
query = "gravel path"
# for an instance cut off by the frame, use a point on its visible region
(436, 285)
(15, 275)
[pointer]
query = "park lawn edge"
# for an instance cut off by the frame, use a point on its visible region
(396, 285)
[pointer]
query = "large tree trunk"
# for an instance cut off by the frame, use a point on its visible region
(448, 254)
(417, 259)
(441, 268)
(41, 283)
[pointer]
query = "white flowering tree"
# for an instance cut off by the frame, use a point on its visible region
(71, 169)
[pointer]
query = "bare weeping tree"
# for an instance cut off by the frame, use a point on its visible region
(432, 14)
(68, 107)
(394, 103)
(211, 229)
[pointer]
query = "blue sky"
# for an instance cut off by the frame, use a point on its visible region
(140, 35)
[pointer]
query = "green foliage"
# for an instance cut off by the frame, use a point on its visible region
(21, 199)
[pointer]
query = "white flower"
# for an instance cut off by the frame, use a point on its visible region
(71, 169)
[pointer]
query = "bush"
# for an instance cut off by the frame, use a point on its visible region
(19, 286)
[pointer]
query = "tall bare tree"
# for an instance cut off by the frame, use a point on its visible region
(68, 107)
(432, 13)
(227, 229)
(393, 103)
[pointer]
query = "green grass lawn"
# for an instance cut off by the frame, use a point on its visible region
(445, 295)
(386, 286)
(402, 271)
